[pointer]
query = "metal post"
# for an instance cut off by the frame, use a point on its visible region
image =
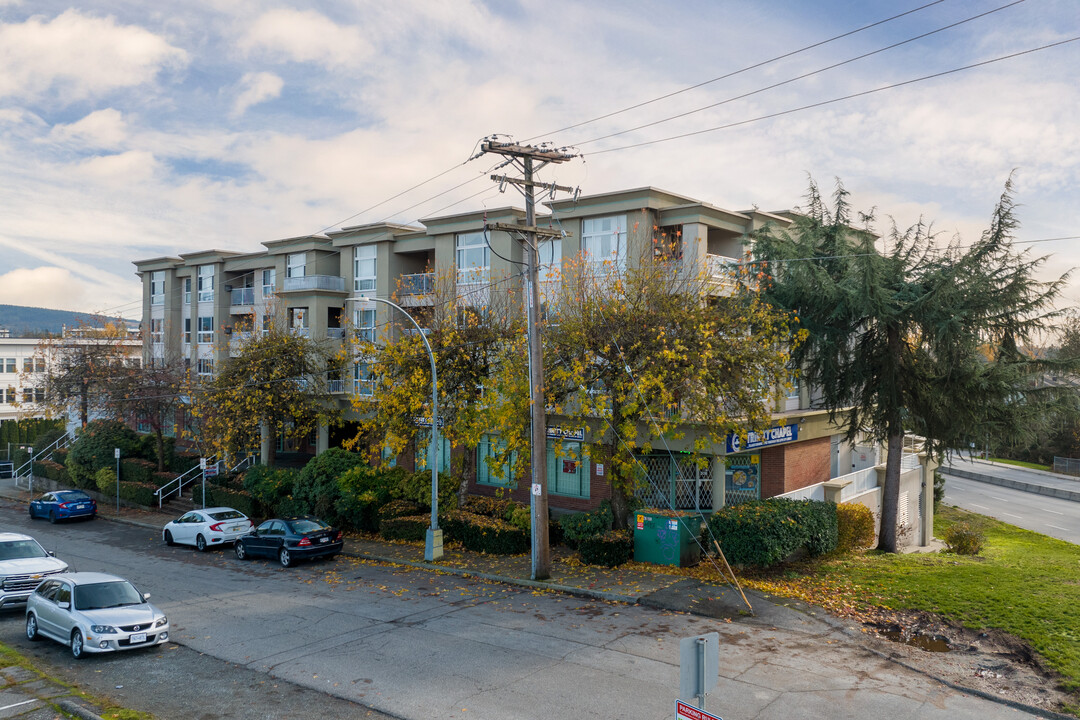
(433, 546)
(701, 672)
(31, 485)
(116, 454)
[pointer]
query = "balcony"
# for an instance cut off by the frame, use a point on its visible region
(335, 333)
(308, 283)
(417, 289)
(242, 297)
(721, 267)
(337, 386)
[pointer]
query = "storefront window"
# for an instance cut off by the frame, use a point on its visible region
(742, 478)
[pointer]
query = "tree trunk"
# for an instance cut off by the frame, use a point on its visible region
(160, 435)
(890, 494)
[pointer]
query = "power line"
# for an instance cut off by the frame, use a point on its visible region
(798, 77)
(838, 99)
(737, 72)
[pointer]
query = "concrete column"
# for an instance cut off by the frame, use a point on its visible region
(322, 441)
(719, 487)
(929, 466)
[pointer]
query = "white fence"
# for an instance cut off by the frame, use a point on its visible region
(813, 492)
(862, 481)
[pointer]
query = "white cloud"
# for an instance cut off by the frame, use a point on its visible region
(101, 129)
(79, 56)
(256, 88)
(43, 286)
(306, 36)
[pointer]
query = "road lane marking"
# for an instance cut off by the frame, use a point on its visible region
(1018, 517)
(979, 506)
(24, 702)
(997, 498)
(1052, 511)
(1056, 527)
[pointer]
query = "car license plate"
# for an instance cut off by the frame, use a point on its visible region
(235, 528)
(137, 637)
(80, 507)
(324, 539)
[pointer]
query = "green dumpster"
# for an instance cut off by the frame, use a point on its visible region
(663, 538)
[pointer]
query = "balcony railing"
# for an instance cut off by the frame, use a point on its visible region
(335, 333)
(337, 386)
(418, 284)
(242, 296)
(333, 283)
(720, 266)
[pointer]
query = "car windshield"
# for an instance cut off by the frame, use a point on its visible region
(302, 527)
(226, 515)
(106, 595)
(19, 549)
(71, 496)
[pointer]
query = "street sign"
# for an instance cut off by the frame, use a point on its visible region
(699, 665)
(211, 470)
(689, 712)
(202, 463)
(116, 453)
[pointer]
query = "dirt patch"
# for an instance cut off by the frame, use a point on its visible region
(991, 661)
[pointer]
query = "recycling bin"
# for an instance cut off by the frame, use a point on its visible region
(663, 538)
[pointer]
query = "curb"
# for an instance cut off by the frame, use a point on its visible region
(73, 708)
(1014, 484)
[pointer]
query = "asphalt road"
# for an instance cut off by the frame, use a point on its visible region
(416, 644)
(1043, 514)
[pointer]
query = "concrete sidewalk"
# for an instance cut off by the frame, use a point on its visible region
(30, 695)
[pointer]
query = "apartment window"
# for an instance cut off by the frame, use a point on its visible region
(33, 365)
(8, 365)
(550, 259)
(567, 470)
(157, 334)
(187, 331)
(157, 287)
(187, 291)
(205, 367)
(267, 323)
(206, 329)
(364, 322)
(39, 395)
(7, 396)
(296, 265)
(423, 451)
(364, 268)
(363, 379)
(269, 282)
(487, 470)
(206, 283)
(603, 239)
(473, 257)
(298, 320)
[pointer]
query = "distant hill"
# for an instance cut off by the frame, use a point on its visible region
(23, 321)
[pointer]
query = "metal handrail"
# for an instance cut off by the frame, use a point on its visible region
(165, 491)
(243, 464)
(59, 444)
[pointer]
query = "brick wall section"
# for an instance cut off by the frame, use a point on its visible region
(790, 467)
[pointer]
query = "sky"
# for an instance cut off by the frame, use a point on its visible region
(132, 130)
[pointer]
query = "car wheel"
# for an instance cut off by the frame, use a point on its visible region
(52, 516)
(284, 558)
(30, 509)
(31, 627)
(200, 543)
(241, 553)
(168, 539)
(77, 648)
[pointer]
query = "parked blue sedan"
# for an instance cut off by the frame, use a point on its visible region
(64, 505)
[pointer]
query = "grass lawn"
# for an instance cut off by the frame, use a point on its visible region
(1021, 463)
(1024, 583)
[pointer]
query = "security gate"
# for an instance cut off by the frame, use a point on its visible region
(675, 482)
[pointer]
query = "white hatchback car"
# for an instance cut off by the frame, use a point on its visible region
(206, 528)
(94, 613)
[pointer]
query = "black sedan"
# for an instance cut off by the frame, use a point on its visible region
(289, 540)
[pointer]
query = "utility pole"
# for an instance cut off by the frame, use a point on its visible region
(524, 156)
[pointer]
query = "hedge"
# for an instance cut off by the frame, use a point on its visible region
(582, 526)
(481, 533)
(219, 496)
(609, 549)
(398, 508)
(138, 493)
(489, 506)
(53, 471)
(405, 527)
(854, 527)
(764, 533)
(137, 470)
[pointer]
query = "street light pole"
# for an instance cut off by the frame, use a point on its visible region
(433, 546)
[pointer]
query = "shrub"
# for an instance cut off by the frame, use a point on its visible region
(963, 538)
(489, 506)
(93, 449)
(180, 463)
(229, 497)
(54, 471)
(138, 493)
(48, 435)
(417, 488)
(363, 490)
(520, 516)
(481, 533)
(609, 549)
(105, 480)
(765, 532)
(137, 470)
(399, 508)
(405, 527)
(316, 487)
(581, 526)
(854, 527)
(270, 487)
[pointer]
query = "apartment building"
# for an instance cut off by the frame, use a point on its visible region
(313, 284)
(21, 367)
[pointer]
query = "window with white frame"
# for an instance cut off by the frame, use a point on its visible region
(550, 251)
(205, 367)
(298, 320)
(267, 323)
(157, 287)
(33, 365)
(39, 395)
(206, 283)
(187, 331)
(488, 470)
(363, 379)
(157, 333)
(365, 270)
(296, 265)
(269, 282)
(187, 291)
(364, 322)
(473, 257)
(206, 329)
(8, 365)
(567, 470)
(603, 239)
(7, 395)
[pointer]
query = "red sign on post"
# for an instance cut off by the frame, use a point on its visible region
(689, 712)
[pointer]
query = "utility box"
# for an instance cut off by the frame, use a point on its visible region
(662, 538)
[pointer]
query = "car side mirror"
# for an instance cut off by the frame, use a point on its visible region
(63, 605)
(146, 596)
(50, 553)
